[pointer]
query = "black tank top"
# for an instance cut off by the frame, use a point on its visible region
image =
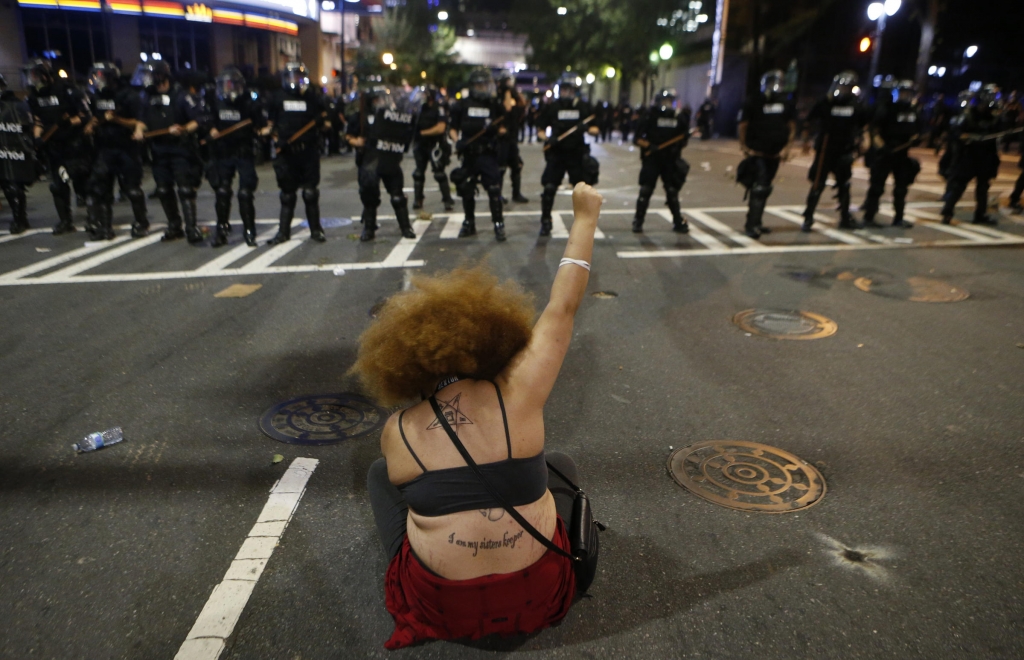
(520, 481)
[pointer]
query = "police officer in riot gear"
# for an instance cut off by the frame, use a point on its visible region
(478, 119)
(766, 131)
(515, 114)
(230, 143)
(568, 117)
(383, 136)
(431, 147)
(17, 167)
(118, 131)
(171, 117)
(706, 118)
(840, 118)
(973, 154)
(896, 127)
(61, 113)
(661, 135)
(296, 112)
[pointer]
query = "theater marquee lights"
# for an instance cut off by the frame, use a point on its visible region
(198, 12)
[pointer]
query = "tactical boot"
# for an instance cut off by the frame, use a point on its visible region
(369, 224)
(402, 215)
(497, 214)
(417, 195)
(222, 207)
(169, 202)
(446, 191)
(62, 200)
(984, 219)
(808, 223)
(140, 229)
(284, 228)
(188, 212)
(545, 227)
(869, 221)
(638, 225)
(517, 194)
(898, 221)
(247, 210)
(468, 227)
(680, 226)
(311, 198)
(91, 215)
(499, 232)
(105, 228)
(220, 238)
(140, 226)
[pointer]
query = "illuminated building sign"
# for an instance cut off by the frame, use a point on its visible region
(169, 9)
(199, 13)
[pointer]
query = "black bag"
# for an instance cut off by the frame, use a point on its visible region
(583, 529)
(746, 172)
(682, 170)
(591, 170)
(458, 176)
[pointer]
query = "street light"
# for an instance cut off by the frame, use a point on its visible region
(970, 52)
(609, 72)
(562, 11)
(654, 57)
(865, 44)
(877, 11)
(442, 16)
(387, 58)
(328, 5)
(665, 52)
(591, 78)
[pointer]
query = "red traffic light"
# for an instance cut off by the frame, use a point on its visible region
(865, 44)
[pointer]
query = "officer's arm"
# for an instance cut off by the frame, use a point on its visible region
(436, 129)
(741, 131)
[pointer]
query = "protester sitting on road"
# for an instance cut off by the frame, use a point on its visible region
(451, 544)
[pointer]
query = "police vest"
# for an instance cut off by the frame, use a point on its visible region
(124, 104)
(159, 109)
(562, 116)
(767, 124)
(662, 127)
(293, 111)
(900, 123)
(428, 118)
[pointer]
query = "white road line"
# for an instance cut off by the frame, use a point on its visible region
(926, 219)
(101, 258)
(721, 228)
(399, 254)
(831, 233)
(27, 232)
(558, 229)
(208, 637)
(698, 234)
(775, 249)
(452, 226)
(981, 229)
(235, 253)
(55, 261)
(273, 254)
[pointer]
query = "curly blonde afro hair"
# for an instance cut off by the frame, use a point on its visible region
(463, 322)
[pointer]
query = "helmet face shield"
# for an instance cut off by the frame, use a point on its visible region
(772, 84)
(481, 85)
(102, 78)
(230, 85)
(295, 78)
(844, 85)
(143, 76)
(904, 92)
(665, 99)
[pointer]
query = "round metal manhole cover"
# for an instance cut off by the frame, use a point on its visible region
(782, 324)
(322, 419)
(914, 289)
(747, 476)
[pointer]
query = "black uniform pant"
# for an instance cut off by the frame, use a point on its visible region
(69, 164)
(14, 191)
(481, 168)
(557, 165)
(299, 167)
(124, 165)
(1018, 189)
(177, 166)
(955, 187)
(509, 158)
(433, 154)
(904, 170)
(652, 168)
(220, 173)
(840, 164)
(763, 171)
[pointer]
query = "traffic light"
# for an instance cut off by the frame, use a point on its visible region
(865, 44)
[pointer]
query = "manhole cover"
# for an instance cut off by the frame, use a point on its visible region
(781, 324)
(605, 295)
(914, 289)
(322, 419)
(747, 476)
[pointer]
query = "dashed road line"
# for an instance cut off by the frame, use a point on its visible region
(216, 622)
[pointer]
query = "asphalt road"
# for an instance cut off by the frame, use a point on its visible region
(912, 411)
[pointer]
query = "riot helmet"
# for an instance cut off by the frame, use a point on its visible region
(37, 74)
(230, 84)
(568, 86)
(773, 84)
(103, 76)
(295, 77)
(990, 98)
(377, 97)
(664, 100)
(431, 95)
(964, 99)
(844, 86)
(506, 80)
(150, 74)
(481, 85)
(904, 91)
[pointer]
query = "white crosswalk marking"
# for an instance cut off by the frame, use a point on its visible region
(722, 228)
(453, 225)
(698, 234)
(53, 262)
(235, 253)
(28, 232)
(101, 258)
(276, 252)
(840, 236)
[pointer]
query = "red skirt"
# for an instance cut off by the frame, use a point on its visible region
(426, 606)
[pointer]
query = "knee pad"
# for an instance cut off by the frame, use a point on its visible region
(761, 190)
(161, 192)
(59, 189)
(225, 193)
(245, 194)
(646, 191)
(671, 192)
(310, 195)
(419, 176)
(136, 195)
(550, 190)
(494, 192)
(467, 189)
(441, 177)
(184, 192)
(399, 200)
(288, 199)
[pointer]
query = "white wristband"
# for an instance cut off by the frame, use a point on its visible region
(578, 262)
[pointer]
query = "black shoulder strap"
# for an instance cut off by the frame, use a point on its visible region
(504, 419)
(408, 446)
(546, 542)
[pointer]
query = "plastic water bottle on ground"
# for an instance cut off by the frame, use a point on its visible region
(98, 440)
